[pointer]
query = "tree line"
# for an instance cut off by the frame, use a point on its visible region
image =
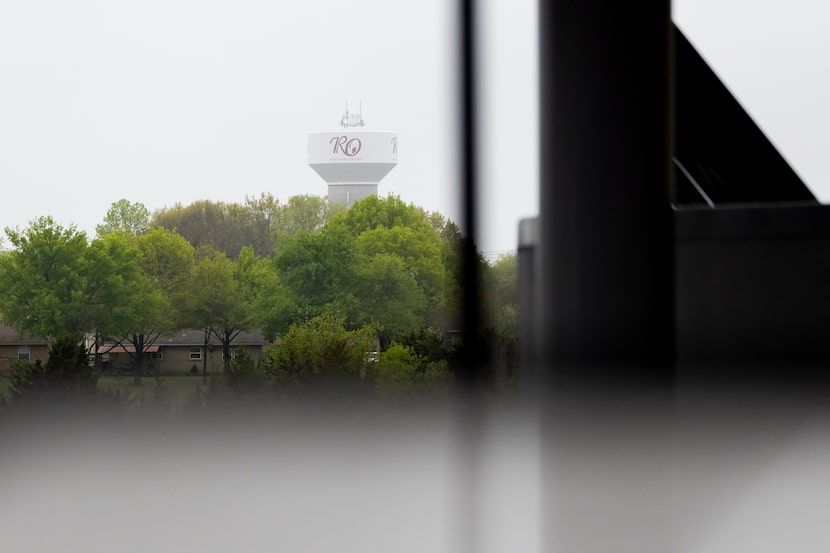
(324, 284)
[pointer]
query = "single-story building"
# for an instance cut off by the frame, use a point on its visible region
(24, 347)
(180, 353)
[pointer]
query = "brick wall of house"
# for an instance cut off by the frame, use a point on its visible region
(8, 354)
(177, 361)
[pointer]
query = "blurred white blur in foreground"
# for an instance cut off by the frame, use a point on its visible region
(322, 484)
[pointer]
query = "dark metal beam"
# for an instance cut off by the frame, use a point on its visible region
(606, 245)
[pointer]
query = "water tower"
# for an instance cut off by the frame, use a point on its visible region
(351, 159)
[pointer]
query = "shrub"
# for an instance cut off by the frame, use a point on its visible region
(66, 375)
(321, 354)
(401, 372)
(245, 378)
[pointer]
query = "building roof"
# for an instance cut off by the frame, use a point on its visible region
(110, 348)
(191, 337)
(10, 336)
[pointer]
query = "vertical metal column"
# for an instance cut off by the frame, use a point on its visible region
(606, 246)
(605, 285)
(472, 376)
(470, 369)
(529, 361)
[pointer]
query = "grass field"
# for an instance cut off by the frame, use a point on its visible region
(177, 390)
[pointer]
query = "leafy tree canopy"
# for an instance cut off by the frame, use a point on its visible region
(168, 259)
(401, 372)
(382, 262)
(304, 214)
(272, 305)
(132, 218)
(154, 291)
(373, 212)
(322, 352)
(261, 223)
(323, 271)
(218, 300)
(501, 286)
(43, 280)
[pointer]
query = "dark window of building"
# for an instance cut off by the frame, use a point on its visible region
(23, 353)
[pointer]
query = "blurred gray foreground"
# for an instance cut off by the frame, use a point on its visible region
(312, 480)
(725, 472)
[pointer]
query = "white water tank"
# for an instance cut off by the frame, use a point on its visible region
(351, 159)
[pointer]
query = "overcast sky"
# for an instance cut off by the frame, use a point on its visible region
(177, 100)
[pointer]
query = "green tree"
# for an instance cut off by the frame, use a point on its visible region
(55, 284)
(202, 223)
(262, 215)
(382, 262)
(419, 252)
(401, 373)
(396, 372)
(322, 354)
(112, 269)
(271, 304)
(143, 315)
(500, 321)
(217, 302)
(124, 216)
(303, 214)
(390, 298)
(43, 280)
(373, 212)
(429, 344)
(167, 258)
(426, 244)
(226, 227)
(452, 255)
(501, 281)
(154, 294)
(323, 272)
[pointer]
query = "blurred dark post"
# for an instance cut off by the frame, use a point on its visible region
(471, 368)
(529, 363)
(606, 247)
(605, 286)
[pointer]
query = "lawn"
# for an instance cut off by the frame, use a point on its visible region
(177, 390)
(173, 392)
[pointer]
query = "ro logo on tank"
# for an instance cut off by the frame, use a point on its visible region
(347, 146)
